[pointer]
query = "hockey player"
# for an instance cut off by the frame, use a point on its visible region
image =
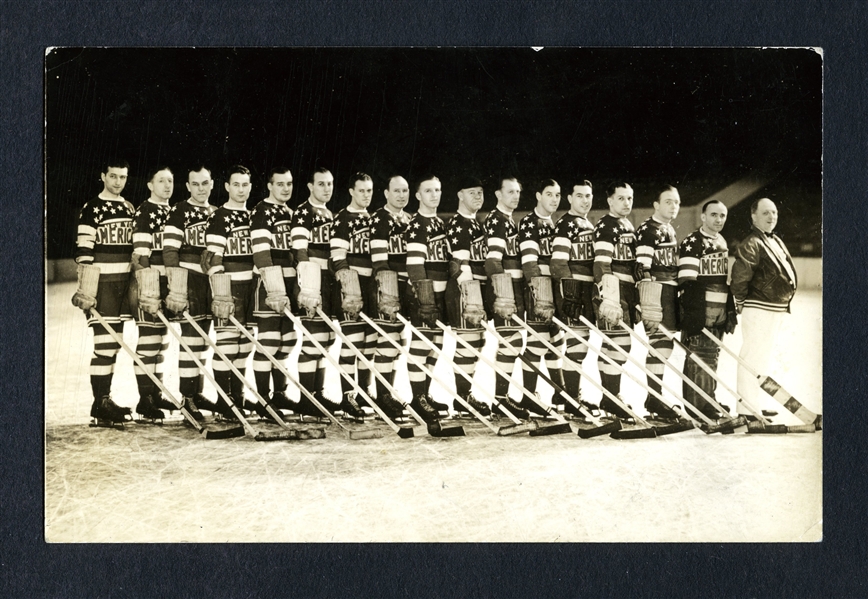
(274, 276)
(427, 269)
(228, 250)
(148, 254)
(764, 281)
(389, 264)
(657, 275)
(536, 234)
(614, 266)
(467, 247)
(504, 258)
(351, 262)
(572, 268)
(705, 301)
(183, 244)
(310, 228)
(103, 249)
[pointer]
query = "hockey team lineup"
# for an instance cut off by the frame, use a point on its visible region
(276, 281)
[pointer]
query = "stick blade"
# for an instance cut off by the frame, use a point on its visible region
(597, 431)
(371, 433)
(560, 428)
(408, 432)
(758, 428)
(305, 434)
(635, 433)
(285, 435)
(672, 429)
(802, 428)
(435, 429)
(226, 433)
(515, 429)
(818, 422)
(728, 425)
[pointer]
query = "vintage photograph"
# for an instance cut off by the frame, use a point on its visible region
(463, 295)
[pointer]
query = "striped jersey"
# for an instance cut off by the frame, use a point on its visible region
(184, 234)
(427, 256)
(657, 250)
(535, 236)
(705, 258)
(228, 236)
(466, 243)
(148, 226)
(350, 241)
(311, 230)
(573, 248)
(105, 236)
(614, 248)
(503, 253)
(270, 236)
(388, 248)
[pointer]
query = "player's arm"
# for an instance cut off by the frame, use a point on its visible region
(646, 238)
(458, 240)
(559, 263)
(86, 235)
(216, 232)
(416, 240)
(379, 241)
(497, 233)
(261, 240)
(300, 234)
(173, 236)
(143, 241)
(529, 248)
(339, 242)
(747, 258)
(689, 254)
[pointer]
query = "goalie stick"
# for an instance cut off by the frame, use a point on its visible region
(405, 432)
(770, 386)
(350, 433)
(500, 431)
(560, 427)
(206, 433)
(287, 434)
(435, 429)
(645, 431)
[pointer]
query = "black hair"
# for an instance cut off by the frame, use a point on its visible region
(610, 190)
(278, 170)
(321, 170)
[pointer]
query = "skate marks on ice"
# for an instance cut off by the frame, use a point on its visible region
(165, 484)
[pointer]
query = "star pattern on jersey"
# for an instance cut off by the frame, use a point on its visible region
(157, 218)
(195, 215)
(311, 217)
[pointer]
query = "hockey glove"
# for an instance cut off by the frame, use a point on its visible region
(649, 301)
(310, 286)
(571, 290)
(222, 304)
(88, 284)
(351, 293)
(543, 300)
(610, 300)
(388, 301)
(148, 281)
(275, 288)
(428, 312)
(472, 311)
(176, 301)
(504, 296)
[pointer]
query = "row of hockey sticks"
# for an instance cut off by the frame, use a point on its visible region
(205, 432)
(777, 392)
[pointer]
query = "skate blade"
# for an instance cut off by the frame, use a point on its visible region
(561, 428)
(606, 429)
(106, 424)
(635, 433)
(154, 421)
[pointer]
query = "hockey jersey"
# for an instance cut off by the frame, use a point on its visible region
(657, 251)
(573, 248)
(148, 226)
(350, 241)
(427, 251)
(466, 243)
(503, 252)
(271, 238)
(105, 236)
(310, 228)
(536, 234)
(614, 248)
(184, 235)
(228, 236)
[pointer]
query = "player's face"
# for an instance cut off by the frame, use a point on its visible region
(429, 195)
(200, 185)
(361, 194)
(549, 199)
(238, 188)
(114, 180)
(766, 216)
(162, 184)
(509, 194)
(471, 199)
(667, 206)
(280, 187)
(621, 202)
(322, 187)
(581, 199)
(398, 194)
(714, 217)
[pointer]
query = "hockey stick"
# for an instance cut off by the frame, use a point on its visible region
(646, 431)
(350, 433)
(405, 432)
(669, 429)
(208, 434)
(501, 431)
(729, 423)
(767, 426)
(770, 386)
(559, 428)
(587, 433)
(284, 435)
(435, 429)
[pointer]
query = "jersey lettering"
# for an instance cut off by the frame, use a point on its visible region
(397, 245)
(512, 248)
(666, 256)
(238, 246)
(437, 250)
(714, 264)
(157, 240)
(321, 234)
(115, 233)
(583, 250)
(478, 250)
(195, 235)
(360, 242)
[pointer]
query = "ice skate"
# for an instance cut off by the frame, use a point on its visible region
(512, 407)
(532, 407)
(607, 405)
(108, 414)
(658, 410)
(423, 407)
(392, 408)
(146, 409)
(477, 405)
(352, 410)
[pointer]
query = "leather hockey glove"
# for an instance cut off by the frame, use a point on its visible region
(388, 301)
(504, 296)
(222, 304)
(275, 288)
(649, 301)
(148, 280)
(543, 300)
(176, 301)
(610, 304)
(310, 287)
(472, 310)
(88, 285)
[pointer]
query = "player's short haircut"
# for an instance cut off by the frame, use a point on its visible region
(197, 168)
(424, 178)
(320, 170)
(579, 184)
(710, 202)
(153, 171)
(508, 178)
(755, 205)
(114, 163)
(610, 190)
(237, 170)
(540, 187)
(277, 170)
(358, 177)
(664, 189)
